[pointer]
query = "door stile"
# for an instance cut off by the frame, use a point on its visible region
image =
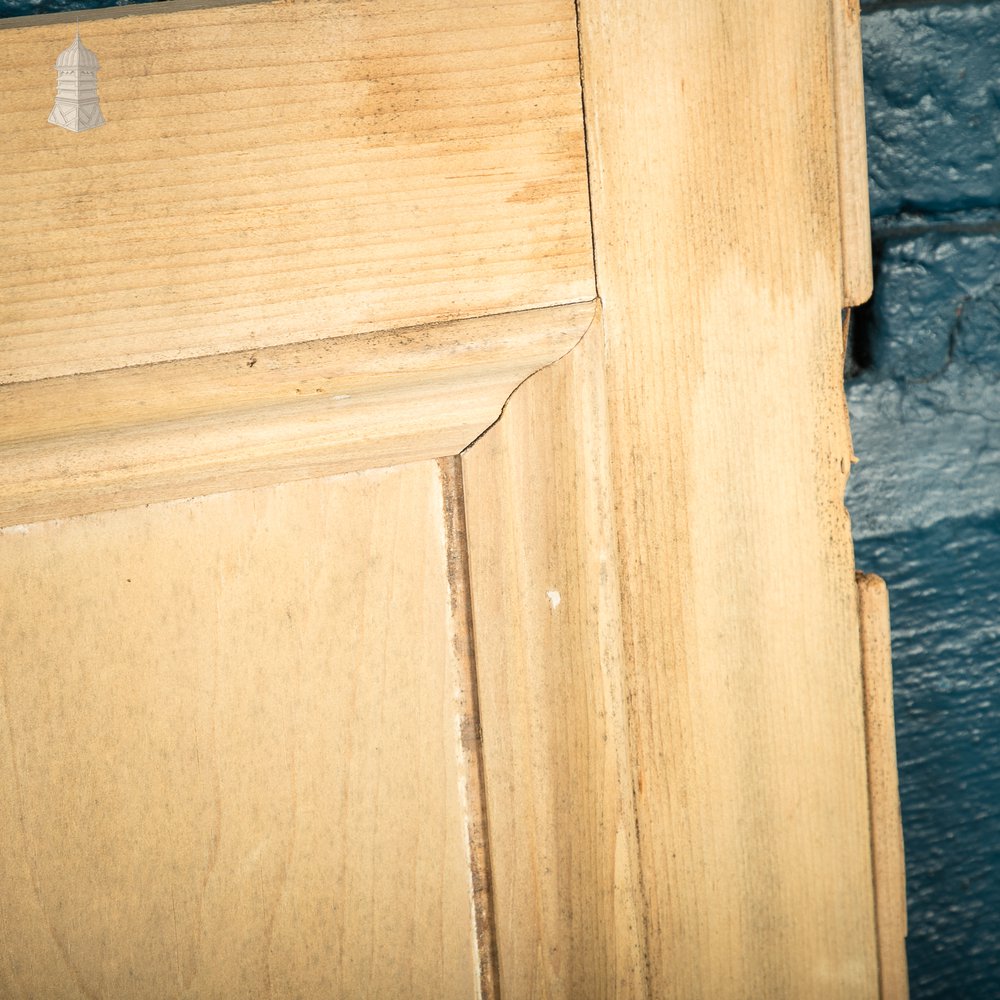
(560, 783)
(671, 690)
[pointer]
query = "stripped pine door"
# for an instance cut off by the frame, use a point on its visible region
(423, 564)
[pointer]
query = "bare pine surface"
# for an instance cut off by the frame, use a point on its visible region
(568, 898)
(883, 788)
(849, 99)
(106, 440)
(228, 768)
(279, 172)
(577, 715)
(676, 775)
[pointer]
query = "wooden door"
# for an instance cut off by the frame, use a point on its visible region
(423, 565)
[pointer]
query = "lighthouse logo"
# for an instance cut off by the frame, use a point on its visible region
(76, 106)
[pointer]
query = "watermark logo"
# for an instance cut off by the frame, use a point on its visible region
(76, 107)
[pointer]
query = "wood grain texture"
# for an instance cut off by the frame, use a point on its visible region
(888, 862)
(719, 266)
(473, 786)
(849, 101)
(689, 814)
(230, 759)
(108, 440)
(279, 172)
(568, 897)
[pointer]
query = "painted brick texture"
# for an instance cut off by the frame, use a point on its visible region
(946, 653)
(22, 8)
(937, 301)
(931, 94)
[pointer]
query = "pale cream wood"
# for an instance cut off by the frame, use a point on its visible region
(105, 440)
(849, 101)
(473, 785)
(883, 788)
(568, 896)
(739, 754)
(714, 183)
(278, 172)
(230, 749)
(663, 607)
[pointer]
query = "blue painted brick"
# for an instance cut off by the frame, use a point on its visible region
(23, 8)
(926, 450)
(936, 301)
(978, 330)
(932, 95)
(945, 609)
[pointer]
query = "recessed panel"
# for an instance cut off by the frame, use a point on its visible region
(279, 172)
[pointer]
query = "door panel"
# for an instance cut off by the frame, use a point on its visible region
(229, 749)
(272, 173)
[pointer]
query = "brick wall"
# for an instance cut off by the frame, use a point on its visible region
(22, 8)
(924, 394)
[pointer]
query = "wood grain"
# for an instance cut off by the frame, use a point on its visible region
(719, 266)
(568, 897)
(278, 172)
(888, 862)
(688, 815)
(849, 100)
(108, 440)
(238, 753)
(230, 758)
(473, 769)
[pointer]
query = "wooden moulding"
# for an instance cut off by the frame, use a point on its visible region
(888, 862)
(107, 440)
(849, 103)
(667, 633)
(272, 173)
